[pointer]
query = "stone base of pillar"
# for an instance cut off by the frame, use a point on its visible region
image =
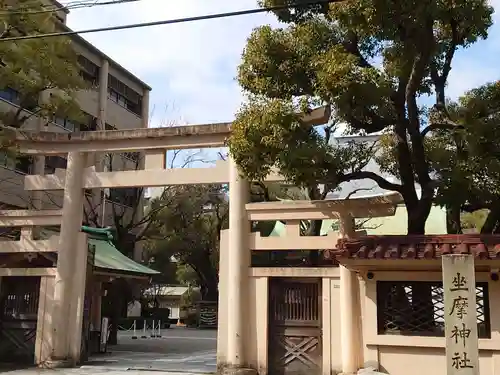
(232, 370)
(54, 363)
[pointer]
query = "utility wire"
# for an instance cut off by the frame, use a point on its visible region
(173, 21)
(75, 5)
(39, 4)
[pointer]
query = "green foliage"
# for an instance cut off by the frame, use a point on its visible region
(45, 71)
(370, 60)
(468, 161)
(186, 275)
(465, 160)
(187, 227)
(267, 134)
(474, 220)
(191, 297)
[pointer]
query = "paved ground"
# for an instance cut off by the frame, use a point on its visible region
(179, 349)
(92, 371)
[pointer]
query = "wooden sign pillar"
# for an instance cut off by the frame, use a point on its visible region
(459, 285)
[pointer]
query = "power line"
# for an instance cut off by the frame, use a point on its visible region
(71, 6)
(174, 21)
(55, 4)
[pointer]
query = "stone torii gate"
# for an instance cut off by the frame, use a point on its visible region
(81, 175)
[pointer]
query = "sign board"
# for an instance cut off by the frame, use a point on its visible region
(459, 287)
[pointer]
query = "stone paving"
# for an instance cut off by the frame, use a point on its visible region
(178, 352)
(92, 371)
(179, 349)
(196, 362)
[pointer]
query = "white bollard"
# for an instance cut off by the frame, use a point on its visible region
(134, 336)
(153, 329)
(144, 336)
(158, 331)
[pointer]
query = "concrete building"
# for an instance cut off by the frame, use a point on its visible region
(170, 297)
(117, 100)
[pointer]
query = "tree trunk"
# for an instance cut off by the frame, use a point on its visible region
(453, 222)
(491, 225)
(422, 298)
(212, 291)
(114, 313)
(315, 230)
(207, 274)
(416, 222)
(423, 306)
(419, 211)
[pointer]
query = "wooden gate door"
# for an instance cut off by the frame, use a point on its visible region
(295, 342)
(18, 320)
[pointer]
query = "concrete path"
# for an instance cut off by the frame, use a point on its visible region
(197, 362)
(92, 371)
(178, 349)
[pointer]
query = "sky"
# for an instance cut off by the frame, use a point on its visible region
(192, 66)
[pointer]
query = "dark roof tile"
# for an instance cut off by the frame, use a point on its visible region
(418, 247)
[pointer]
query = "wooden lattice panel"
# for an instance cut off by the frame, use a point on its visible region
(417, 308)
(19, 308)
(295, 343)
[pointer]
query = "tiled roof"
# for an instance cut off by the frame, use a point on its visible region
(418, 247)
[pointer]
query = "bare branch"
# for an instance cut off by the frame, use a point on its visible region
(357, 191)
(361, 224)
(360, 175)
(441, 126)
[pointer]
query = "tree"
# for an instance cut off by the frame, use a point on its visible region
(125, 205)
(370, 61)
(40, 76)
(467, 161)
(43, 74)
(187, 228)
(130, 224)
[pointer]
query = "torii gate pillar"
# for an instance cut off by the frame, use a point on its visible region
(238, 264)
(70, 275)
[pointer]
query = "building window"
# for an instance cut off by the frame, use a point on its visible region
(7, 160)
(88, 123)
(53, 162)
(21, 164)
(12, 233)
(134, 156)
(416, 308)
(10, 95)
(66, 123)
(124, 95)
(88, 70)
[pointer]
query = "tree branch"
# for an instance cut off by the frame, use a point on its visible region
(349, 196)
(371, 123)
(351, 45)
(382, 182)
(450, 53)
(441, 126)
